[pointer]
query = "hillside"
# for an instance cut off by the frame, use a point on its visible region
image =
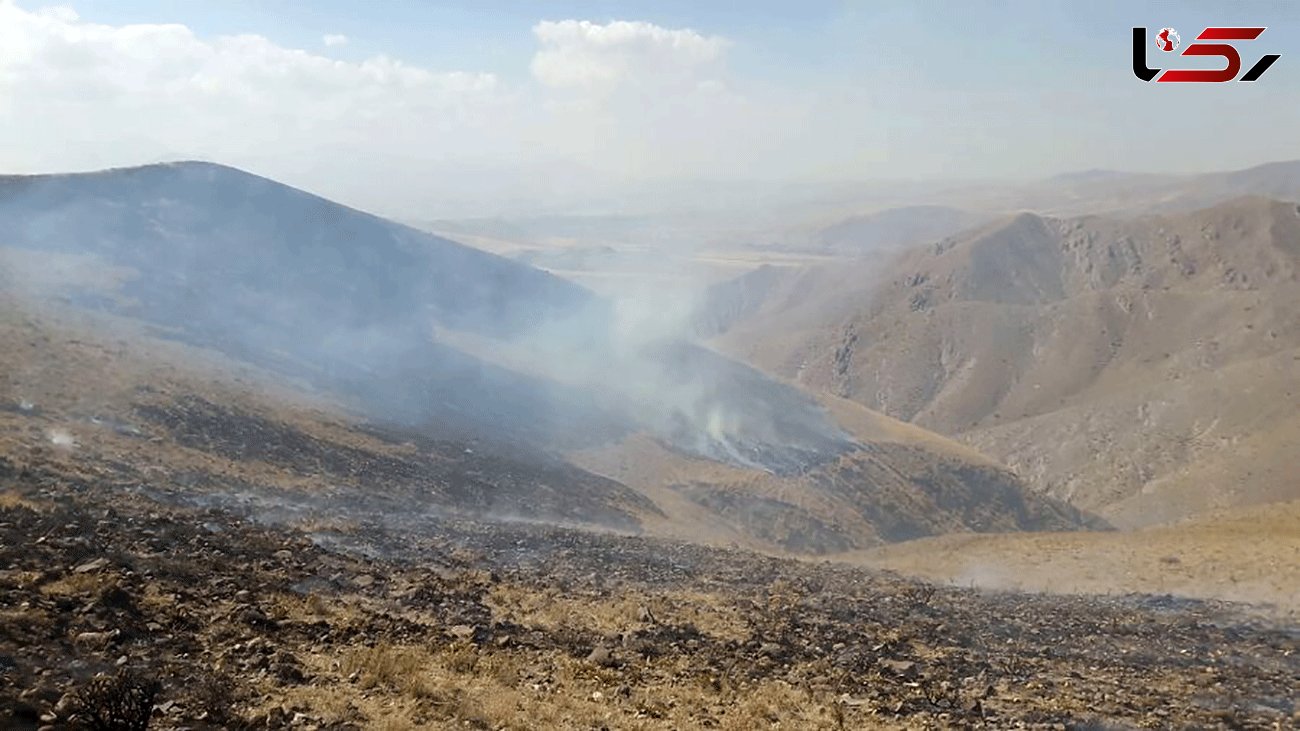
(1143, 368)
(1243, 555)
(513, 398)
(227, 622)
(351, 303)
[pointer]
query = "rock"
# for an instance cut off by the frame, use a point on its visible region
(94, 640)
(118, 598)
(769, 649)
(602, 656)
(255, 617)
(363, 581)
(90, 566)
(65, 704)
(462, 632)
(24, 710)
(287, 673)
(900, 668)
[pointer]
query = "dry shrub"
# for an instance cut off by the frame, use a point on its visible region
(122, 702)
(385, 665)
(216, 695)
(460, 657)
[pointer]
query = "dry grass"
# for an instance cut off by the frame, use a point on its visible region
(73, 585)
(407, 687)
(552, 610)
(10, 499)
(1250, 554)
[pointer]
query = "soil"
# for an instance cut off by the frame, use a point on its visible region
(253, 624)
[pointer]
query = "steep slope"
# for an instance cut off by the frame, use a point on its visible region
(1114, 363)
(500, 378)
(351, 302)
(96, 394)
(276, 276)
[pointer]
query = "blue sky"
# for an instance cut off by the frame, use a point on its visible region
(780, 38)
(759, 90)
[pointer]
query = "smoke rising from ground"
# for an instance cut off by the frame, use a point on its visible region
(411, 327)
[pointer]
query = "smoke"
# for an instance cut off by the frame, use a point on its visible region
(410, 327)
(61, 438)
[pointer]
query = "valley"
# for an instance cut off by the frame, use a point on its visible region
(285, 480)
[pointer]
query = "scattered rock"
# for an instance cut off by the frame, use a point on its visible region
(90, 566)
(602, 656)
(902, 668)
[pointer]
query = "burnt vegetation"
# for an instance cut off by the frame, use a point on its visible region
(515, 625)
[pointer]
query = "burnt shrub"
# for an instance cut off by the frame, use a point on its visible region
(122, 702)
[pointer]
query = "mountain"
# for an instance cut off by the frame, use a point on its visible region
(350, 302)
(279, 277)
(1144, 368)
(451, 379)
(894, 228)
(1115, 193)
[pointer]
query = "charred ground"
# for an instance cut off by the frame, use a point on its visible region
(513, 625)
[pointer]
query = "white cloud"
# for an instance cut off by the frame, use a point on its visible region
(579, 53)
(76, 94)
(334, 39)
(621, 98)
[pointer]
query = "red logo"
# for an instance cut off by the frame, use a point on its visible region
(1167, 40)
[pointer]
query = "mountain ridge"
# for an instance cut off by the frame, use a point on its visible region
(1041, 340)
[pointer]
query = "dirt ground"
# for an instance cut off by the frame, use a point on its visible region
(461, 623)
(1243, 555)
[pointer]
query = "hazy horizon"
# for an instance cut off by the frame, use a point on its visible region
(457, 109)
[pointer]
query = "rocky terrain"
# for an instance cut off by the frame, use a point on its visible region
(387, 491)
(117, 595)
(452, 378)
(1142, 368)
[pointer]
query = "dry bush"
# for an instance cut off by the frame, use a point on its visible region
(460, 657)
(122, 702)
(216, 695)
(74, 585)
(315, 605)
(385, 665)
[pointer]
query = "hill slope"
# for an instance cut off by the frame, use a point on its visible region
(1147, 368)
(351, 302)
(444, 351)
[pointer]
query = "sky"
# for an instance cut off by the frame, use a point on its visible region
(438, 109)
